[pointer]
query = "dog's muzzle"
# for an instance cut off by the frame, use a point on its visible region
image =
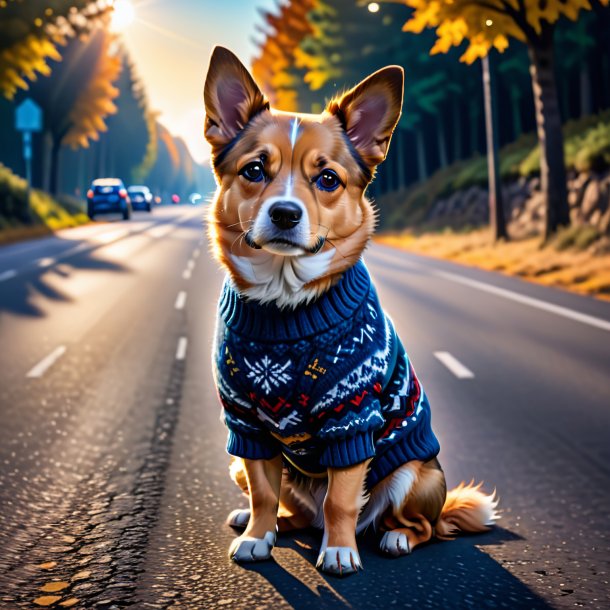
(320, 241)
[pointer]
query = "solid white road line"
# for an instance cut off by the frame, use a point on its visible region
(181, 349)
(186, 274)
(454, 365)
(41, 368)
(7, 275)
(532, 302)
(180, 300)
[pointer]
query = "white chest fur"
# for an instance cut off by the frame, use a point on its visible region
(280, 279)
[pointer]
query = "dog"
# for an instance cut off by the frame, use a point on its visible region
(328, 424)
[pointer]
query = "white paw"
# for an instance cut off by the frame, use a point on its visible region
(239, 518)
(339, 560)
(395, 544)
(246, 549)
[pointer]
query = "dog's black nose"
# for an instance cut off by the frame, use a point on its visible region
(285, 214)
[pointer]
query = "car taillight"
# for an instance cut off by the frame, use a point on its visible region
(123, 193)
(89, 194)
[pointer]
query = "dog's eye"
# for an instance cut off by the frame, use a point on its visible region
(327, 180)
(254, 172)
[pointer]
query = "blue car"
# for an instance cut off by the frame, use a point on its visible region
(141, 198)
(108, 195)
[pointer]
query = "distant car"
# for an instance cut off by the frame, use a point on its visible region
(195, 198)
(107, 195)
(175, 198)
(141, 198)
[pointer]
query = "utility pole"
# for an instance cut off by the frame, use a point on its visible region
(496, 207)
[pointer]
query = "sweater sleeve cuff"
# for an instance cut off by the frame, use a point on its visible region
(349, 451)
(251, 448)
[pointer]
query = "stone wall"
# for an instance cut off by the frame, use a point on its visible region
(588, 196)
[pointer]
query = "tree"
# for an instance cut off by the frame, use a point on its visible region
(284, 32)
(30, 33)
(76, 97)
(491, 23)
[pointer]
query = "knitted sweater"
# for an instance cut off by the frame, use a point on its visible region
(326, 384)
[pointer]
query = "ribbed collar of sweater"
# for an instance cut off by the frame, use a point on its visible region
(270, 323)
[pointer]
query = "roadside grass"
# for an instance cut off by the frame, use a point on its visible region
(568, 262)
(45, 215)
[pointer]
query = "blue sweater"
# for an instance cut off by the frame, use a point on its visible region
(326, 384)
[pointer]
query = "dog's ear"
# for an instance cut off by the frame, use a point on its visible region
(370, 111)
(231, 98)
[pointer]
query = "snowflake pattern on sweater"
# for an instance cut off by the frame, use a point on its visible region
(326, 384)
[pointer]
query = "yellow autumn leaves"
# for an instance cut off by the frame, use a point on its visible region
(95, 101)
(23, 60)
(487, 24)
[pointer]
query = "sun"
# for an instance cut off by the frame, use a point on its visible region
(123, 13)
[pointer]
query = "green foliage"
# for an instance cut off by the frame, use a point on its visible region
(12, 197)
(578, 238)
(46, 212)
(586, 146)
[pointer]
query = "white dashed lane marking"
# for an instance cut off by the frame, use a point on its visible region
(190, 264)
(186, 274)
(181, 349)
(47, 362)
(454, 365)
(7, 275)
(46, 262)
(180, 300)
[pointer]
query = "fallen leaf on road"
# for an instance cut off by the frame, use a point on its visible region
(53, 587)
(69, 602)
(47, 565)
(47, 600)
(82, 575)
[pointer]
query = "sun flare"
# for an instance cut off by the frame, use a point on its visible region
(123, 15)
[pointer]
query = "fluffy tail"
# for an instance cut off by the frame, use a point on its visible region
(466, 509)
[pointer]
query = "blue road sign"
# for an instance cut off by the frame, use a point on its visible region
(28, 116)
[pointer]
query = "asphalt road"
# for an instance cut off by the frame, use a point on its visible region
(113, 473)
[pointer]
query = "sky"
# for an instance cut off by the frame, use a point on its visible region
(170, 42)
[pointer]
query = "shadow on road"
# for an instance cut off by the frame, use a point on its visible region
(457, 574)
(25, 294)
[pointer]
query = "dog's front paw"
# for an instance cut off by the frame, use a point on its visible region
(339, 560)
(395, 543)
(246, 549)
(239, 518)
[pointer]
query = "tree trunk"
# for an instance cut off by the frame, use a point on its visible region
(422, 170)
(550, 137)
(496, 204)
(54, 178)
(586, 99)
(401, 159)
(47, 148)
(474, 128)
(515, 102)
(457, 129)
(440, 139)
